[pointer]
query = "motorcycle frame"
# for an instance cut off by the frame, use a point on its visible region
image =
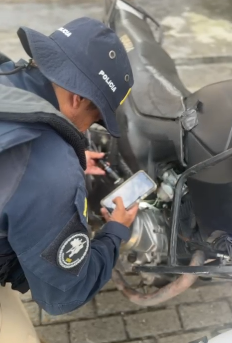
(173, 267)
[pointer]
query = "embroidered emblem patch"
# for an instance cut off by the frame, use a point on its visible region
(73, 250)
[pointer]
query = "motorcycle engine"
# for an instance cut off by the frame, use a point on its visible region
(149, 241)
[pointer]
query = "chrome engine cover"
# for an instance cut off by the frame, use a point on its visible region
(148, 236)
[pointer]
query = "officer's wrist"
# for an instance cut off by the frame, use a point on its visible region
(118, 229)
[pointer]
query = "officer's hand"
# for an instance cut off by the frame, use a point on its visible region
(92, 168)
(120, 214)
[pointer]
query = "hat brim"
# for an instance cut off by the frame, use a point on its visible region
(58, 68)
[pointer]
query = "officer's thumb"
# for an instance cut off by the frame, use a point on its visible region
(105, 214)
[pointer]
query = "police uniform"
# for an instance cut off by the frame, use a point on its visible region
(44, 240)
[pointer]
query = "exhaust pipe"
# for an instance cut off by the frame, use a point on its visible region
(165, 293)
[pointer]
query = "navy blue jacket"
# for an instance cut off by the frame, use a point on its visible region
(43, 210)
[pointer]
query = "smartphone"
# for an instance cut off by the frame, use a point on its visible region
(136, 188)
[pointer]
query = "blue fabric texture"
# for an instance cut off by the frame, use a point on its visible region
(45, 189)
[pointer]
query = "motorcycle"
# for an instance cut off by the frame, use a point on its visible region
(224, 337)
(182, 233)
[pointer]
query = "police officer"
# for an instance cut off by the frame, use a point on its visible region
(79, 75)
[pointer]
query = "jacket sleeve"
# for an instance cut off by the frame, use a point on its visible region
(47, 228)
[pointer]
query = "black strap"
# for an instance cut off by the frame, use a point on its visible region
(20, 65)
(14, 71)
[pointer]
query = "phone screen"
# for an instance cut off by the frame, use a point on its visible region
(130, 191)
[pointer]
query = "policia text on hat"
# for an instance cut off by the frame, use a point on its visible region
(81, 74)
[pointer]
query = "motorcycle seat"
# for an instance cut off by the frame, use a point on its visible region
(158, 90)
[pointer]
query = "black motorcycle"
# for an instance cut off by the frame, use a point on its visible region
(183, 141)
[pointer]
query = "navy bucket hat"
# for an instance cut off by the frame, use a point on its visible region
(86, 58)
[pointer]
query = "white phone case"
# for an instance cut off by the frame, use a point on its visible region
(143, 196)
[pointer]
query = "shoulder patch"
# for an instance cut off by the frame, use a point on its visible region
(70, 249)
(73, 250)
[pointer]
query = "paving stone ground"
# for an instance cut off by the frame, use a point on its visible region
(205, 311)
(196, 33)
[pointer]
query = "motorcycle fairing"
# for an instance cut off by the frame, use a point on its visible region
(211, 189)
(158, 91)
(150, 118)
(148, 140)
